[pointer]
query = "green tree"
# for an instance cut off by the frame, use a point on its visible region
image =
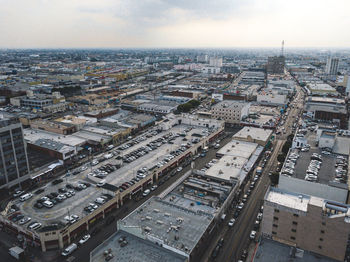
(281, 157)
(274, 178)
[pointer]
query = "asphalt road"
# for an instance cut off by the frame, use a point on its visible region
(83, 252)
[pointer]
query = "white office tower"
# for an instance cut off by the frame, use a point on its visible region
(332, 66)
(347, 90)
(215, 61)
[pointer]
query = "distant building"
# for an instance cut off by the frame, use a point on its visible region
(202, 59)
(307, 222)
(14, 167)
(211, 70)
(275, 65)
(215, 61)
(230, 111)
(332, 66)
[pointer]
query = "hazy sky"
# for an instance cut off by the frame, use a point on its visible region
(174, 23)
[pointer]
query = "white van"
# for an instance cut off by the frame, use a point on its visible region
(48, 204)
(34, 226)
(25, 197)
(69, 250)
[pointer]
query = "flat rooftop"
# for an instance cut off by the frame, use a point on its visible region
(137, 250)
(33, 135)
(288, 199)
(253, 132)
(270, 250)
(173, 225)
(238, 149)
(238, 158)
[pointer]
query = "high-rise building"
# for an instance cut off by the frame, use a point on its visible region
(332, 66)
(215, 61)
(275, 65)
(14, 166)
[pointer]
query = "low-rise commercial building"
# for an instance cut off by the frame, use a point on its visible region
(230, 111)
(254, 135)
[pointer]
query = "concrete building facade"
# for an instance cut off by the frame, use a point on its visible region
(307, 222)
(230, 111)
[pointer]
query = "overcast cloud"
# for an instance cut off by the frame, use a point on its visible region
(174, 23)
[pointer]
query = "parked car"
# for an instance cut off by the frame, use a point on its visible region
(84, 239)
(252, 235)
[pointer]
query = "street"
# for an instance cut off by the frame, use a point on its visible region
(236, 238)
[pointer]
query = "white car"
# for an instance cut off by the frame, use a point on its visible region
(231, 222)
(84, 239)
(24, 220)
(179, 169)
(252, 235)
(146, 192)
(154, 187)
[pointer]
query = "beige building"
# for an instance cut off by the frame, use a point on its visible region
(230, 111)
(78, 122)
(53, 126)
(307, 222)
(254, 135)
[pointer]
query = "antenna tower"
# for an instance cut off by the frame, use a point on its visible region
(282, 48)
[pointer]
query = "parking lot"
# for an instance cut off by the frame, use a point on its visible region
(67, 199)
(153, 150)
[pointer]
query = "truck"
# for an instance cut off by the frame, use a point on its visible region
(17, 252)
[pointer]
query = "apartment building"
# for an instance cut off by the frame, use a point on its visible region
(306, 222)
(14, 167)
(230, 111)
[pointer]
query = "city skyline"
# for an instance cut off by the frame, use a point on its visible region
(173, 24)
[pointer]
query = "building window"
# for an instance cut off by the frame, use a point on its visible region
(294, 230)
(274, 225)
(320, 247)
(293, 238)
(296, 215)
(276, 210)
(322, 231)
(295, 223)
(274, 233)
(324, 223)
(275, 218)
(321, 239)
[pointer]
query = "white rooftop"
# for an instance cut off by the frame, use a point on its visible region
(227, 168)
(33, 135)
(254, 133)
(238, 148)
(288, 199)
